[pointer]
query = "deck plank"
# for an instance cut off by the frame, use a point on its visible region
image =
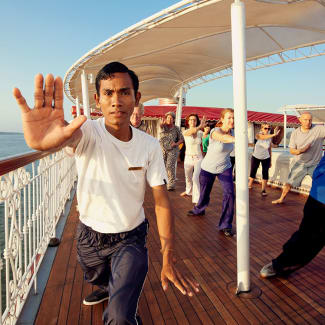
(211, 259)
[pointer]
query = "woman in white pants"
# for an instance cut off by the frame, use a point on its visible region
(193, 155)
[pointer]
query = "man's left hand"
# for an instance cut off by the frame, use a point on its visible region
(185, 284)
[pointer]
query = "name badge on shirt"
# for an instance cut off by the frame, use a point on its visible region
(135, 168)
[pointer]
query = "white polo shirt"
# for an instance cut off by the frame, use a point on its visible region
(112, 177)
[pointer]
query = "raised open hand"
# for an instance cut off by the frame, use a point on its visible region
(162, 121)
(277, 130)
(203, 122)
(44, 126)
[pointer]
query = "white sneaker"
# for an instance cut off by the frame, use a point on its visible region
(267, 271)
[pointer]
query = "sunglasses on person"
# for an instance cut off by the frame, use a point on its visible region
(267, 128)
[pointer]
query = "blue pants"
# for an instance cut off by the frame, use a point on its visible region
(117, 263)
(228, 198)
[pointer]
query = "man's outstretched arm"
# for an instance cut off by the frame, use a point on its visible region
(165, 224)
(44, 126)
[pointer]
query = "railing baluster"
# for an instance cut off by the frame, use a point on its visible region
(31, 202)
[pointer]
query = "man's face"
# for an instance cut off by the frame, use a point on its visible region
(117, 99)
(136, 117)
(305, 120)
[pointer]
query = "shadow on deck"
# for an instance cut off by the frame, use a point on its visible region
(211, 258)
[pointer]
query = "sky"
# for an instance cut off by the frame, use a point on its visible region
(48, 37)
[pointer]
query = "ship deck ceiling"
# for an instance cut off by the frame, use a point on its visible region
(211, 259)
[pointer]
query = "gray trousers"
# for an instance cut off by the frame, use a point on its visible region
(117, 263)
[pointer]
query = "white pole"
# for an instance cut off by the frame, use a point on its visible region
(77, 106)
(85, 95)
(179, 108)
(241, 149)
(285, 130)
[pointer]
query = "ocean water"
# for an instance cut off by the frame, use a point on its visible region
(12, 144)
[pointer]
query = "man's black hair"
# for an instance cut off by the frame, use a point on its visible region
(109, 69)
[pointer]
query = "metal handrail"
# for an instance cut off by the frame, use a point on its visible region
(34, 189)
(12, 163)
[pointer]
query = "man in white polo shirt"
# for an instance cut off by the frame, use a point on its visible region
(114, 161)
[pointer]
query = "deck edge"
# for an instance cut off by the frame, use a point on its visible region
(33, 301)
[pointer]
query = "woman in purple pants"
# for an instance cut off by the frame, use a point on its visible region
(217, 163)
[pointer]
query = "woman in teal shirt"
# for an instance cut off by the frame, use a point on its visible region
(205, 139)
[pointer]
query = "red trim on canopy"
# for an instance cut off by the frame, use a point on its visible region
(213, 113)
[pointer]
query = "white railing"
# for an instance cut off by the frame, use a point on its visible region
(32, 199)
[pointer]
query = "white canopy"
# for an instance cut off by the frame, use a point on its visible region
(317, 111)
(190, 43)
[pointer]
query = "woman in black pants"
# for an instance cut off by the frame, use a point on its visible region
(262, 154)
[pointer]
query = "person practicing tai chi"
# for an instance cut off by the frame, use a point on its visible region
(305, 144)
(170, 139)
(217, 163)
(262, 154)
(309, 239)
(136, 118)
(114, 161)
(205, 139)
(193, 155)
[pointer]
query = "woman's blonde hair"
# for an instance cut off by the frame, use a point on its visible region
(224, 112)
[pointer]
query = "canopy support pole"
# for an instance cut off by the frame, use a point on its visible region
(241, 149)
(85, 94)
(178, 119)
(285, 129)
(77, 106)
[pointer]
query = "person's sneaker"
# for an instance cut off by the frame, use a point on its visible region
(96, 297)
(227, 232)
(191, 213)
(267, 271)
(263, 193)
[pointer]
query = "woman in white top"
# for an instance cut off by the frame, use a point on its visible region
(262, 154)
(193, 155)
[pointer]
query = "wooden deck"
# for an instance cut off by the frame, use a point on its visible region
(211, 259)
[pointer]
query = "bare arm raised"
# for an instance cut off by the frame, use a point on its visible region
(194, 131)
(44, 126)
(260, 136)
